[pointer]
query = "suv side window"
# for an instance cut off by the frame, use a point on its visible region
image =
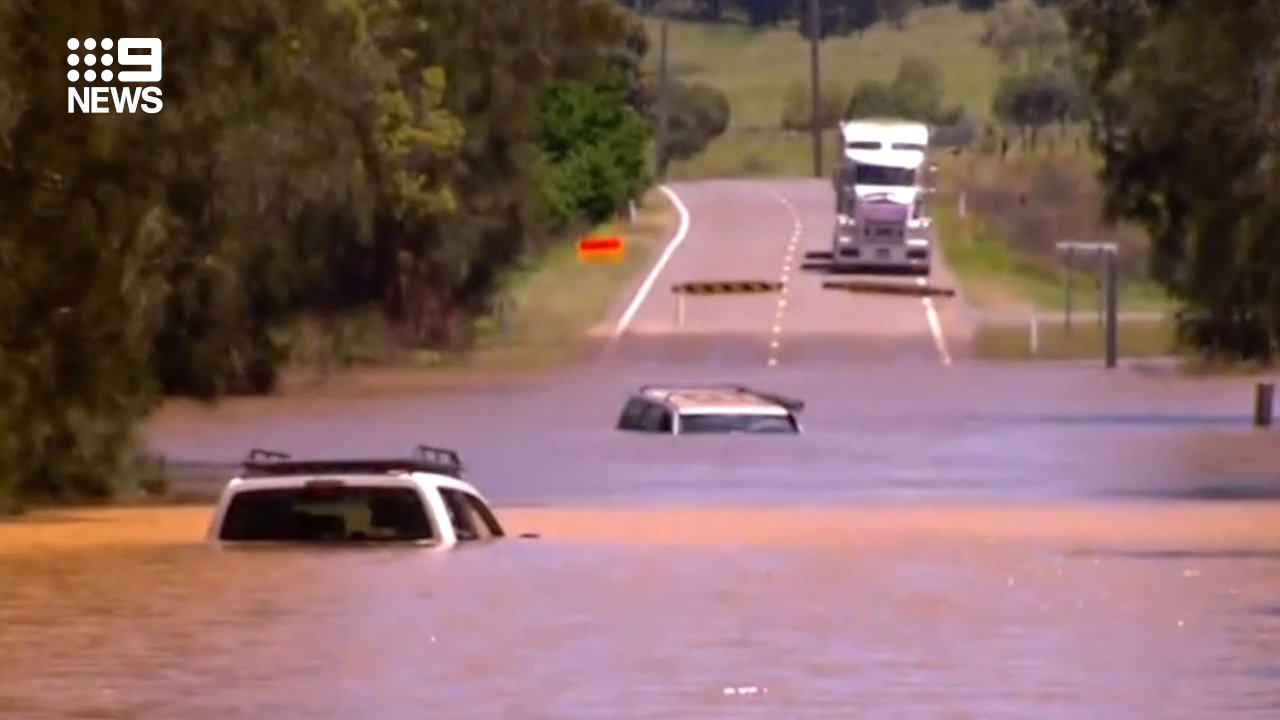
(470, 517)
(482, 518)
(459, 515)
(632, 414)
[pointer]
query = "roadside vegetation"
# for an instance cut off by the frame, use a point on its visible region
(340, 182)
(1068, 120)
(362, 181)
(1084, 339)
(997, 78)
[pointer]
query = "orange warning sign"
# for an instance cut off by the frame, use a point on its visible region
(600, 248)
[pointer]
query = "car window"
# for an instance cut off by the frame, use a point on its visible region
(459, 515)
(632, 414)
(471, 518)
(482, 518)
(884, 175)
(703, 423)
(657, 418)
(327, 512)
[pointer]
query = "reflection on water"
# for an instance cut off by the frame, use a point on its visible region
(939, 628)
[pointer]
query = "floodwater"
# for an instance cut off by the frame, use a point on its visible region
(965, 542)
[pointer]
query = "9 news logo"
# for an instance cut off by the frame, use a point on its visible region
(130, 53)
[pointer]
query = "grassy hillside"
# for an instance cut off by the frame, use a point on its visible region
(1020, 202)
(755, 67)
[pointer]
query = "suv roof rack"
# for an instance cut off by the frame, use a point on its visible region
(790, 403)
(261, 462)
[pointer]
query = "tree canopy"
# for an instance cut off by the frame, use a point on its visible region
(1187, 120)
(313, 158)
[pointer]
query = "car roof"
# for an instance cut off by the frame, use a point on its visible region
(885, 128)
(440, 467)
(367, 479)
(696, 399)
(260, 462)
(889, 158)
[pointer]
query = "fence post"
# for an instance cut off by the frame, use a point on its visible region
(1067, 291)
(1263, 404)
(502, 315)
(1034, 333)
(1112, 300)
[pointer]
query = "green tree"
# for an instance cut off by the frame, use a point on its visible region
(698, 114)
(311, 160)
(915, 93)
(1028, 38)
(1186, 116)
(594, 147)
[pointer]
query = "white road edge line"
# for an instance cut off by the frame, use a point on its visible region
(682, 231)
(935, 325)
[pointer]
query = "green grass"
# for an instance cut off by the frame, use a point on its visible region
(999, 270)
(558, 299)
(754, 68)
(1135, 340)
(993, 278)
(751, 154)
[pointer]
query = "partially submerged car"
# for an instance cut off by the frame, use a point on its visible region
(703, 409)
(420, 499)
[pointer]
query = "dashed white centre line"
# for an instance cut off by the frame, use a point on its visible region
(775, 342)
(935, 325)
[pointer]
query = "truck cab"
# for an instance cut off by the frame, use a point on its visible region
(881, 219)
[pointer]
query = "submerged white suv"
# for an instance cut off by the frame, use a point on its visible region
(421, 499)
(702, 409)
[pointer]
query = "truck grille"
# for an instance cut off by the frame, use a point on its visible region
(886, 233)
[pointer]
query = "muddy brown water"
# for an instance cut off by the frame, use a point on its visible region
(972, 541)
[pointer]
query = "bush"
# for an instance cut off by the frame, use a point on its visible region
(593, 146)
(915, 93)
(797, 112)
(1034, 101)
(699, 113)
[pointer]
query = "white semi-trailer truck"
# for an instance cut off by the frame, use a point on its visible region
(881, 220)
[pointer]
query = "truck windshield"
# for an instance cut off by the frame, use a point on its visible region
(884, 175)
(332, 513)
(737, 423)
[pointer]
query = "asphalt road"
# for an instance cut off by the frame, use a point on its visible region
(770, 231)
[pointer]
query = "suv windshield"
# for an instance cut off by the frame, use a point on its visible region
(333, 513)
(884, 175)
(737, 423)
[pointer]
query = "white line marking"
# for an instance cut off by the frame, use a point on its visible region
(682, 231)
(935, 325)
(788, 264)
